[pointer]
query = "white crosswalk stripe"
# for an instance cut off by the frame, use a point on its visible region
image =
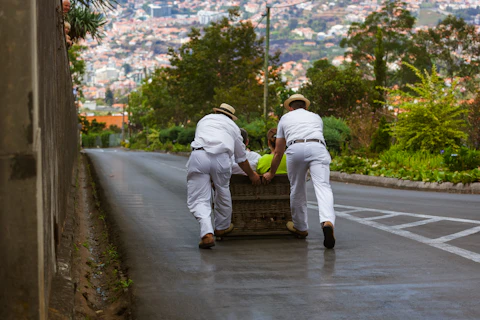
(439, 243)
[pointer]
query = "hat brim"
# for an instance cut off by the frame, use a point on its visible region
(226, 112)
(287, 102)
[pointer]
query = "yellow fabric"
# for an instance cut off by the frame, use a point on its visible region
(265, 162)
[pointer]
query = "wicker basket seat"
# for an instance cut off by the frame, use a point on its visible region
(260, 210)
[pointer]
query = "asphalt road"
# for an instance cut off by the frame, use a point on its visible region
(399, 254)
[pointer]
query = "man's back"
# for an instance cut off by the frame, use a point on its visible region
(300, 124)
(216, 133)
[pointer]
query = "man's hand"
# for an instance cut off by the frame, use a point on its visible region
(267, 177)
(255, 178)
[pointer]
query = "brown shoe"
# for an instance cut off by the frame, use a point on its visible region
(207, 241)
(329, 241)
(299, 234)
(220, 233)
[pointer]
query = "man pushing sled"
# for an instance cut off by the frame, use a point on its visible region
(217, 139)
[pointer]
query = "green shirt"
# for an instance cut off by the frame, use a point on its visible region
(265, 162)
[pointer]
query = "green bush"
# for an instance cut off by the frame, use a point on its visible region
(170, 134)
(461, 159)
(105, 138)
(186, 136)
(336, 133)
(381, 139)
(96, 139)
(88, 140)
(163, 135)
(173, 133)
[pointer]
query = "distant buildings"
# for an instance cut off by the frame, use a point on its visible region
(160, 11)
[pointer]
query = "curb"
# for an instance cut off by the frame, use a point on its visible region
(472, 188)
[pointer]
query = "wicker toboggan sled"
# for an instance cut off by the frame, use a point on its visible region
(260, 210)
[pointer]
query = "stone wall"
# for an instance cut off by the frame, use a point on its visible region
(38, 151)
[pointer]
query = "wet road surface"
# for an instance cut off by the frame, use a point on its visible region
(399, 254)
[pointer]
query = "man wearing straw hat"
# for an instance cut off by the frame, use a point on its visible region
(217, 140)
(301, 131)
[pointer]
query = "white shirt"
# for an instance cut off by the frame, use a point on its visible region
(252, 158)
(217, 133)
(300, 124)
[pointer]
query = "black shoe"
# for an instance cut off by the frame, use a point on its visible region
(329, 241)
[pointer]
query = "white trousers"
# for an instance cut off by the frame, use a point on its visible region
(203, 168)
(300, 158)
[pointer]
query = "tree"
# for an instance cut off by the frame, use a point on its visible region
(416, 54)
(381, 139)
(127, 68)
(474, 122)
(109, 97)
(164, 107)
(380, 67)
(336, 91)
(432, 117)
(454, 46)
(396, 23)
(292, 24)
(77, 65)
(225, 63)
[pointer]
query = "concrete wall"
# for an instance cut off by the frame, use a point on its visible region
(38, 150)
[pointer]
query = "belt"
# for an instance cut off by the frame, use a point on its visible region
(195, 149)
(305, 140)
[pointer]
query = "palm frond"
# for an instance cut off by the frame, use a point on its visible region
(83, 21)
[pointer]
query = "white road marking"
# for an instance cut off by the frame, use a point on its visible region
(438, 243)
(417, 215)
(173, 167)
(382, 217)
(417, 223)
(457, 235)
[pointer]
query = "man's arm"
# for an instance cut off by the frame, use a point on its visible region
(280, 145)
(254, 177)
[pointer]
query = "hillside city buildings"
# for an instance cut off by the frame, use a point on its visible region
(139, 33)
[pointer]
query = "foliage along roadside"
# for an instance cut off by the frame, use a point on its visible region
(462, 166)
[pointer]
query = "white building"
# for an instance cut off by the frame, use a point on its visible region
(338, 30)
(160, 11)
(106, 73)
(205, 17)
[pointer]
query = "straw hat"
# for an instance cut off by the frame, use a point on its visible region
(226, 109)
(295, 97)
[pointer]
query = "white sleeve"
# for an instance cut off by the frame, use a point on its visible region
(280, 133)
(253, 159)
(239, 148)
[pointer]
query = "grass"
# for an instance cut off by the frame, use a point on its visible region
(126, 283)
